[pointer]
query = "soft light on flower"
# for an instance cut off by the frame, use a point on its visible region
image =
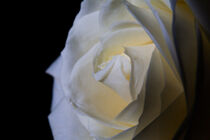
(119, 74)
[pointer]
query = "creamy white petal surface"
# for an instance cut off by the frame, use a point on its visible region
(119, 75)
(65, 124)
(79, 41)
(154, 28)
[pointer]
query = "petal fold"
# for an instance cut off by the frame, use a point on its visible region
(80, 40)
(154, 29)
(65, 124)
(91, 96)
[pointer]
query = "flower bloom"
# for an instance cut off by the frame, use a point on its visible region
(119, 74)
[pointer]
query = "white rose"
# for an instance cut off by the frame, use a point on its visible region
(119, 74)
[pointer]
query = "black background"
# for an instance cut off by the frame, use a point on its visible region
(37, 34)
(53, 23)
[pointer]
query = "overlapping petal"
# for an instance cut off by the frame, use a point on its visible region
(64, 123)
(106, 96)
(186, 43)
(88, 7)
(155, 29)
(119, 76)
(114, 11)
(80, 40)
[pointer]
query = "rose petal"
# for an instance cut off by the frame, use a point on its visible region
(167, 2)
(113, 43)
(139, 3)
(126, 37)
(160, 6)
(55, 68)
(116, 79)
(154, 86)
(65, 124)
(173, 87)
(123, 25)
(169, 91)
(164, 14)
(102, 131)
(102, 74)
(164, 18)
(80, 40)
(134, 110)
(98, 129)
(186, 42)
(112, 12)
(167, 124)
(58, 94)
(125, 135)
(140, 59)
(153, 28)
(90, 95)
(88, 7)
(200, 10)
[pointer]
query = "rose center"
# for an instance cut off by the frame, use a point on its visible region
(115, 73)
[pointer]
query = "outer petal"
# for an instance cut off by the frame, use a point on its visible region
(58, 94)
(65, 124)
(167, 96)
(80, 40)
(125, 135)
(55, 71)
(153, 88)
(88, 7)
(186, 42)
(201, 11)
(164, 16)
(155, 30)
(114, 11)
(98, 129)
(140, 58)
(167, 124)
(173, 87)
(167, 2)
(134, 110)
